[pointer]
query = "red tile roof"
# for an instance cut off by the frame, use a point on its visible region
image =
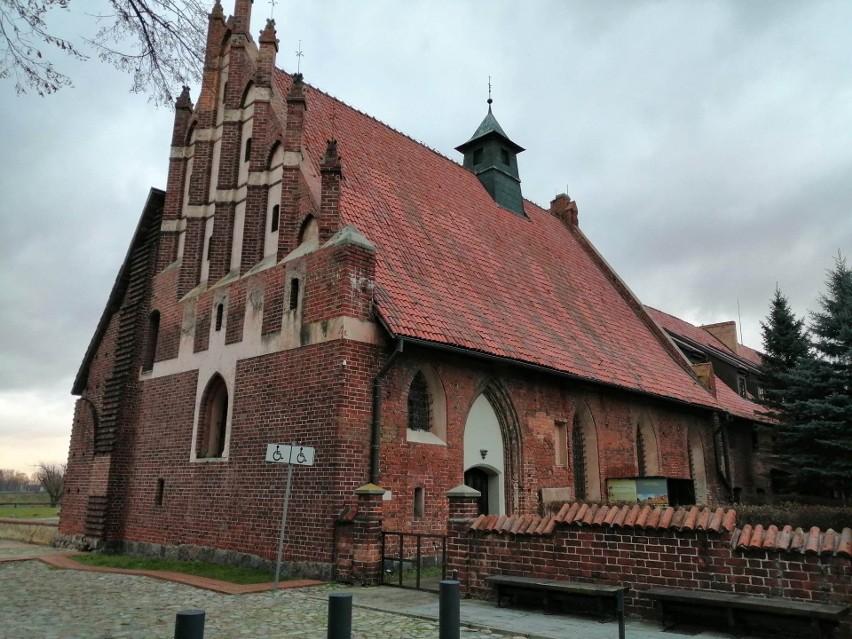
(697, 334)
(749, 354)
(720, 520)
(733, 403)
(454, 268)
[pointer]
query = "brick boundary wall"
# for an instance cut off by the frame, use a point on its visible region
(645, 558)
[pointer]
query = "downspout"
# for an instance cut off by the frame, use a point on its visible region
(376, 433)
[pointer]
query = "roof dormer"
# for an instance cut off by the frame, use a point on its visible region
(493, 158)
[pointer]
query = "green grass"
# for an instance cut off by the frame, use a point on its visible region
(28, 512)
(28, 533)
(230, 574)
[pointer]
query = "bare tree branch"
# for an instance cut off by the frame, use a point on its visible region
(159, 42)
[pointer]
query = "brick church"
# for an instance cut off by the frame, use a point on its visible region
(312, 276)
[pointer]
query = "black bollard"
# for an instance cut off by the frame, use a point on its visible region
(620, 613)
(339, 616)
(189, 624)
(449, 604)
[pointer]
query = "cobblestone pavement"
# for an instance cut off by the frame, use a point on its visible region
(39, 602)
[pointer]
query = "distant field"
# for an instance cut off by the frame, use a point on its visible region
(28, 512)
(26, 498)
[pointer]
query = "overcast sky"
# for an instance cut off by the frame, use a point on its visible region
(708, 145)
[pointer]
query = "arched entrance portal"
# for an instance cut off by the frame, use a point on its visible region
(491, 449)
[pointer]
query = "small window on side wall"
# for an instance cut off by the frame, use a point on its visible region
(220, 313)
(419, 503)
(248, 150)
(273, 223)
(161, 489)
(294, 294)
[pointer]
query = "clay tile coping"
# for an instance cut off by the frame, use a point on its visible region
(730, 521)
(798, 542)
(769, 540)
(845, 546)
(654, 519)
(783, 541)
(756, 537)
(812, 543)
(478, 523)
(543, 524)
(691, 518)
(580, 514)
(518, 524)
(829, 542)
(620, 516)
(642, 519)
(600, 515)
(563, 512)
(703, 519)
(716, 520)
(666, 519)
(611, 514)
(744, 537)
(531, 526)
(590, 515)
(630, 520)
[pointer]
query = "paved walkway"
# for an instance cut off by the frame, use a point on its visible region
(41, 602)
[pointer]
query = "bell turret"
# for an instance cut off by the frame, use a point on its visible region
(493, 158)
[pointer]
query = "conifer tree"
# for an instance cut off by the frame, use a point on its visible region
(785, 343)
(814, 438)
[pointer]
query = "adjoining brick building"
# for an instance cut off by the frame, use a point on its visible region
(312, 276)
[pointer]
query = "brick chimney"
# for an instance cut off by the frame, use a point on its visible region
(565, 209)
(725, 332)
(706, 376)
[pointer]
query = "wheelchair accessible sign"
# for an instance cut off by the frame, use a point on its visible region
(290, 454)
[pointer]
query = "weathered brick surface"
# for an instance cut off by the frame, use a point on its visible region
(539, 402)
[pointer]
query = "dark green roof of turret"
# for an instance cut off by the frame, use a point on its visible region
(489, 127)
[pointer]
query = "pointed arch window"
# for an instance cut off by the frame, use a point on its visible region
(585, 464)
(640, 453)
(213, 420)
(578, 457)
(419, 404)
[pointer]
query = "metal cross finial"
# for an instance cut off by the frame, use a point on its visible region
(272, 4)
(299, 56)
(489, 92)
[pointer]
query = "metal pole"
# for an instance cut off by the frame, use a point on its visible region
(449, 603)
(283, 526)
(339, 616)
(189, 624)
(620, 613)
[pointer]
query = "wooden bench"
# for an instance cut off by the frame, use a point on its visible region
(552, 590)
(739, 610)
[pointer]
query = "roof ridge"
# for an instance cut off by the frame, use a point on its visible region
(373, 118)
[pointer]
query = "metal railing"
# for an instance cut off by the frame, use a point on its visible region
(406, 555)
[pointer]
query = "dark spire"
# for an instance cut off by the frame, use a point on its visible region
(493, 158)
